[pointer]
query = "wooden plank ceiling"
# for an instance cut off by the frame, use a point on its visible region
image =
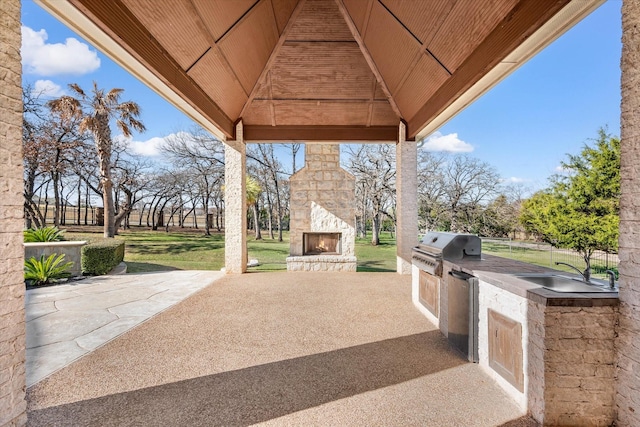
(319, 69)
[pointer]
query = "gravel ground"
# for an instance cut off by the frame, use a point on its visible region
(278, 349)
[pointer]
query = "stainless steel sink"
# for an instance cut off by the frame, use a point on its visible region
(559, 283)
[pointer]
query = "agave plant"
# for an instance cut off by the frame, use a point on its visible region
(44, 234)
(46, 270)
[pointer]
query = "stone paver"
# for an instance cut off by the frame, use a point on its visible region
(66, 322)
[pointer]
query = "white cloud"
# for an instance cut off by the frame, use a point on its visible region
(48, 59)
(561, 169)
(515, 180)
(450, 142)
(150, 147)
(47, 88)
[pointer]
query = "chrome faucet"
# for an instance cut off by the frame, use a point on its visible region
(586, 274)
(612, 278)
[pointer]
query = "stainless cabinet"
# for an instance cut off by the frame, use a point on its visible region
(462, 303)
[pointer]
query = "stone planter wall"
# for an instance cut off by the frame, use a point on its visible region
(71, 249)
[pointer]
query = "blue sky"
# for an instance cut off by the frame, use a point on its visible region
(524, 127)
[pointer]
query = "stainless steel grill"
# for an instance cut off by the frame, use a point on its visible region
(437, 246)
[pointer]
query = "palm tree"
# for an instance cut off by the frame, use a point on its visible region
(96, 111)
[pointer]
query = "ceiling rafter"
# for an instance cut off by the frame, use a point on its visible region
(371, 99)
(367, 56)
(238, 21)
(213, 42)
(274, 54)
(122, 25)
(367, 15)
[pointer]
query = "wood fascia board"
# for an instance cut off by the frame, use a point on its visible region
(99, 27)
(273, 56)
(367, 56)
(523, 20)
(310, 134)
(560, 23)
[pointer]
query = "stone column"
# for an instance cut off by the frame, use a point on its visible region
(628, 341)
(12, 318)
(235, 214)
(406, 199)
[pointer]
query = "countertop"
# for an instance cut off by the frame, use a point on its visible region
(499, 272)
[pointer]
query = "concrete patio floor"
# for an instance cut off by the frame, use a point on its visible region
(278, 349)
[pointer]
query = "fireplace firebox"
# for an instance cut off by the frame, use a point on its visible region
(322, 243)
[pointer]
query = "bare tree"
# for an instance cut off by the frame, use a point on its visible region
(269, 173)
(374, 167)
(130, 177)
(201, 157)
(454, 190)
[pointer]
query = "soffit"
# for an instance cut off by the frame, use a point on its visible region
(299, 65)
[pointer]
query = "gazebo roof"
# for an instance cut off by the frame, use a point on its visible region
(320, 69)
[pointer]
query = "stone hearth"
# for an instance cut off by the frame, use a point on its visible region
(322, 222)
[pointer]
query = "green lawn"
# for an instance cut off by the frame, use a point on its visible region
(548, 258)
(191, 250)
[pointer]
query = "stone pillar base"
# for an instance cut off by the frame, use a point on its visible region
(321, 263)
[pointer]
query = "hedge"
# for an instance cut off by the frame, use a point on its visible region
(101, 257)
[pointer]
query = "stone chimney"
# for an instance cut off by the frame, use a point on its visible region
(322, 224)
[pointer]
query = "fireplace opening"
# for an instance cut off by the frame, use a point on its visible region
(321, 243)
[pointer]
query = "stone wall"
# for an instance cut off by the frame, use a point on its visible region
(628, 342)
(322, 200)
(579, 365)
(72, 251)
(12, 316)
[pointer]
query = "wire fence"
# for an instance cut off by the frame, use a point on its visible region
(92, 216)
(546, 255)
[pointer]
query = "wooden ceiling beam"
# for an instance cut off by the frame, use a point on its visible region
(367, 55)
(274, 54)
(116, 20)
(262, 133)
(523, 20)
(213, 42)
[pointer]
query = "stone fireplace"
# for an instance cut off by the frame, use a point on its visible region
(322, 222)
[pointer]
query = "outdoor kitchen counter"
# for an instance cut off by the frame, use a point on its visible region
(552, 352)
(500, 272)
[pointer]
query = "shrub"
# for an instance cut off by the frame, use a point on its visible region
(44, 234)
(46, 270)
(100, 257)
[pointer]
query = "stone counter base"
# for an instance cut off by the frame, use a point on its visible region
(321, 263)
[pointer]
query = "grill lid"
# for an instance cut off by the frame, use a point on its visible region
(450, 245)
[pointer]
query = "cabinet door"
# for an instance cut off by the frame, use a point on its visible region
(505, 348)
(429, 291)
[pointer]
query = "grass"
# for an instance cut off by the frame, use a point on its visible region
(148, 250)
(547, 258)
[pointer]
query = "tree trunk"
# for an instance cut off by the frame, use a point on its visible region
(375, 229)
(86, 205)
(46, 203)
(256, 221)
(79, 210)
(109, 209)
(205, 206)
(55, 178)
